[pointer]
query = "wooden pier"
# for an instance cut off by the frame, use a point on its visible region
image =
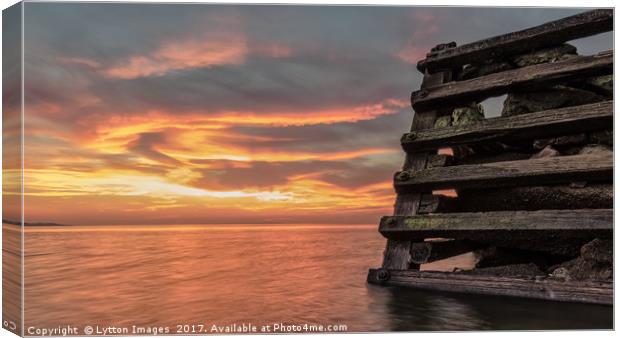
(532, 189)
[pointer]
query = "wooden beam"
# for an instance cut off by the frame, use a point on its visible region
(526, 198)
(549, 170)
(548, 123)
(592, 196)
(545, 288)
(549, 34)
(496, 84)
(560, 232)
(453, 225)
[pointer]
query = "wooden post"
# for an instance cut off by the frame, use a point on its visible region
(397, 253)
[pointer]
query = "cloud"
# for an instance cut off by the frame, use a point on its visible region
(272, 50)
(426, 23)
(80, 61)
(146, 144)
(354, 173)
(381, 132)
(323, 116)
(51, 183)
(200, 113)
(412, 53)
(208, 51)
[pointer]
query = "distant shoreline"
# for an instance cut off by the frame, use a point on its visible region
(5, 221)
(216, 225)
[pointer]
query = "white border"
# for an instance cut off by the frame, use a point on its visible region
(435, 3)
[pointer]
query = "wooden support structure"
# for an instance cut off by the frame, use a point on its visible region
(595, 292)
(512, 190)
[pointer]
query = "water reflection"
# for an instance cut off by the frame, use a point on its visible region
(417, 310)
(260, 275)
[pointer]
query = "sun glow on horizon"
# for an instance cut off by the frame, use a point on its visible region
(172, 165)
(210, 123)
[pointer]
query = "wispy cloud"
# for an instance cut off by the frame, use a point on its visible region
(206, 114)
(208, 51)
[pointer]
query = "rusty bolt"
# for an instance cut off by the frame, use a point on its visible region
(409, 137)
(402, 175)
(383, 275)
(390, 221)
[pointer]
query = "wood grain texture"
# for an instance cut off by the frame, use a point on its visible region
(560, 232)
(546, 288)
(527, 198)
(550, 170)
(397, 254)
(544, 124)
(530, 77)
(432, 225)
(592, 196)
(545, 35)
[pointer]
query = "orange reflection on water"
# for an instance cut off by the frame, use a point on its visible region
(191, 227)
(152, 275)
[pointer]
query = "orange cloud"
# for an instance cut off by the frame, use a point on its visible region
(326, 116)
(134, 165)
(110, 132)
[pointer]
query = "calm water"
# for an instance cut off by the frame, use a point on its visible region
(262, 275)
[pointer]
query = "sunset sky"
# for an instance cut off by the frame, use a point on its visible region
(178, 114)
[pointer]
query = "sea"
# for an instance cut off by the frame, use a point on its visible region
(213, 279)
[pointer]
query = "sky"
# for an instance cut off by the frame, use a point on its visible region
(188, 113)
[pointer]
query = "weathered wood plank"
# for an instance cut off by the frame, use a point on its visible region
(546, 288)
(548, 34)
(442, 160)
(560, 232)
(521, 78)
(592, 196)
(548, 123)
(550, 170)
(527, 198)
(449, 225)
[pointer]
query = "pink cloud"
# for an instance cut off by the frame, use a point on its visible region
(426, 25)
(411, 53)
(208, 51)
(192, 53)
